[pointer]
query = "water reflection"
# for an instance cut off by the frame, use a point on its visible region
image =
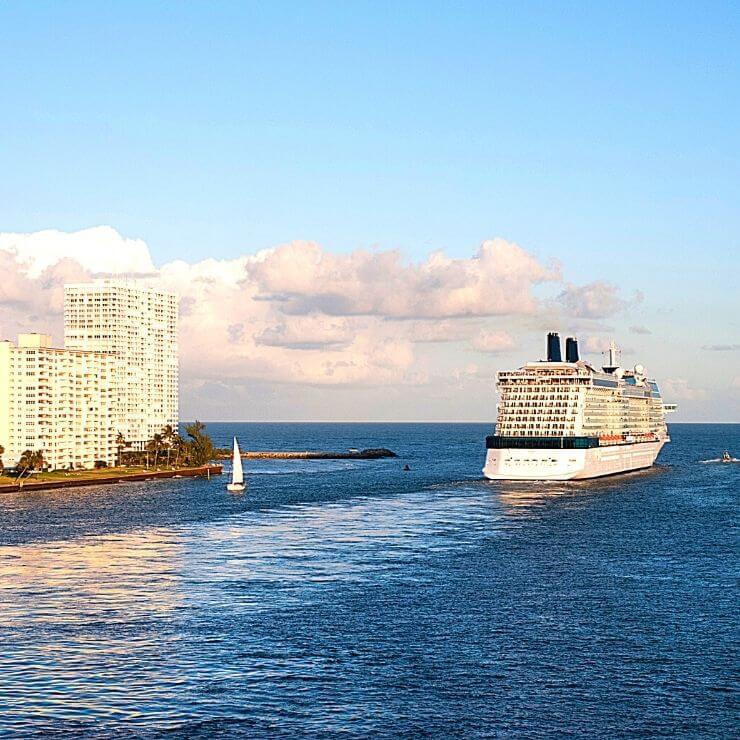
(132, 626)
(340, 541)
(80, 621)
(156, 571)
(66, 581)
(525, 497)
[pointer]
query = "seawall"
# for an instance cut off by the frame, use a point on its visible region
(105, 480)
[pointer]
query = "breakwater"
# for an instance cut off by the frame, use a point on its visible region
(103, 480)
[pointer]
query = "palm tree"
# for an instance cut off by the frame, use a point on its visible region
(38, 460)
(168, 438)
(30, 460)
(121, 443)
(181, 450)
(155, 445)
(25, 462)
(158, 446)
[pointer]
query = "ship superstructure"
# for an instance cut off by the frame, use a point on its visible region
(563, 419)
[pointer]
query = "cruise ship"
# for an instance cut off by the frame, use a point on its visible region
(566, 420)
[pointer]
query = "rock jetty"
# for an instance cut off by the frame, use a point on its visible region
(374, 453)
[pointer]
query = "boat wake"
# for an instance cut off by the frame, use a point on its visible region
(720, 460)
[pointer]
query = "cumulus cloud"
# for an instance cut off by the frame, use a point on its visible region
(492, 341)
(471, 370)
(296, 313)
(303, 278)
(307, 332)
(595, 345)
(679, 389)
(100, 249)
(596, 300)
(446, 330)
(640, 330)
(16, 288)
(27, 303)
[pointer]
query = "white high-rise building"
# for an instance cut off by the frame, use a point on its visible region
(138, 326)
(58, 401)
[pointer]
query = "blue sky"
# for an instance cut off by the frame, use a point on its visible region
(606, 137)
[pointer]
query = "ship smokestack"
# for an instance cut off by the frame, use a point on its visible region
(571, 349)
(553, 347)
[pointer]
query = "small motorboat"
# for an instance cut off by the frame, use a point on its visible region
(726, 457)
(237, 474)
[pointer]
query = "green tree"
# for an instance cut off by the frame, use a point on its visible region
(168, 439)
(181, 450)
(121, 444)
(200, 446)
(30, 460)
(155, 445)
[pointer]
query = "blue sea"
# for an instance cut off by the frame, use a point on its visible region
(352, 599)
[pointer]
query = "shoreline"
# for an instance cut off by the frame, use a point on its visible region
(105, 480)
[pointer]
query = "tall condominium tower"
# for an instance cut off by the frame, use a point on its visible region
(138, 326)
(57, 401)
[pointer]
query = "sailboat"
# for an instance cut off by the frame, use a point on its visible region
(237, 474)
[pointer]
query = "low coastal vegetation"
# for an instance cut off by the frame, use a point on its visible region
(166, 451)
(170, 448)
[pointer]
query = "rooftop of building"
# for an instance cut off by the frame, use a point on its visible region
(36, 341)
(129, 284)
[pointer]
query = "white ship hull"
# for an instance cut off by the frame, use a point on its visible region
(575, 464)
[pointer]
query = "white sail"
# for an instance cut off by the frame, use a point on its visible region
(237, 475)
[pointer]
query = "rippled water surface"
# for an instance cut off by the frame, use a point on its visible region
(349, 597)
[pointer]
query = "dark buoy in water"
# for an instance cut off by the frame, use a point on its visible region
(406, 468)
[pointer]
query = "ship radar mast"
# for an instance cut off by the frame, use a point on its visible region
(614, 353)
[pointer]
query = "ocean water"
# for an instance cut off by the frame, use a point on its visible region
(350, 598)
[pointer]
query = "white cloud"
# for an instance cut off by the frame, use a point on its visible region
(300, 314)
(640, 330)
(308, 332)
(294, 314)
(595, 345)
(304, 278)
(100, 249)
(446, 330)
(27, 303)
(679, 389)
(493, 341)
(596, 300)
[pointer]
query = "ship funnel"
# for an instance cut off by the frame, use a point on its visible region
(571, 349)
(553, 347)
